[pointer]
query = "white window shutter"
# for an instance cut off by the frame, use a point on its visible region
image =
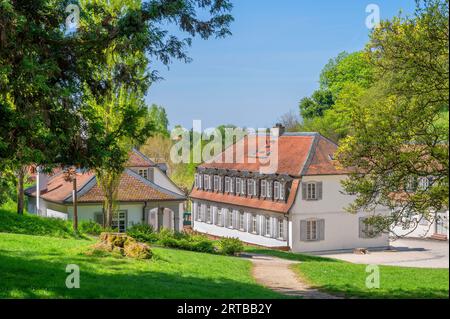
(303, 230)
(194, 210)
(362, 233)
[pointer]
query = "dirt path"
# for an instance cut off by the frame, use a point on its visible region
(275, 273)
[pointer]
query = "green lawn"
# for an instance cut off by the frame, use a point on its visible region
(349, 280)
(34, 267)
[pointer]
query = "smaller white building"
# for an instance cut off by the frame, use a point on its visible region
(299, 207)
(146, 195)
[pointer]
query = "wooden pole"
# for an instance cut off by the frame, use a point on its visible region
(75, 204)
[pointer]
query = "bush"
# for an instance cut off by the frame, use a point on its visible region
(143, 233)
(230, 246)
(185, 241)
(90, 228)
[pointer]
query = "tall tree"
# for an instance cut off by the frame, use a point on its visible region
(44, 70)
(398, 145)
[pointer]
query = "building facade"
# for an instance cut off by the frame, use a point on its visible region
(300, 206)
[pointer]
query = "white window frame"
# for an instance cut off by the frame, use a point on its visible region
(241, 221)
(269, 190)
(216, 183)
(254, 220)
(243, 187)
(219, 217)
(311, 191)
(280, 228)
(251, 187)
(238, 185)
(230, 218)
(312, 229)
(208, 218)
(267, 227)
(143, 172)
(276, 190)
(263, 188)
(227, 184)
(423, 183)
(282, 191)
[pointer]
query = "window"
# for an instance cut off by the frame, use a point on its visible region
(280, 228)
(282, 191)
(311, 230)
(231, 185)
(269, 189)
(207, 180)
(311, 191)
(424, 183)
(208, 214)
(366, 230)
(119, 221)
(196, 183)
(251, 187)
(238, 185)
(411, 184)
(243, 187)
(267, 226)
(230, 218)
(216, 183)
(227, 184)
(200, 181)
(263, 188)
(143, 173)
(254, 224)
(219, 221)
(241, 221)
(276, 190)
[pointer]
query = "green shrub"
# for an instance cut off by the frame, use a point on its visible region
(142, 233)
(230, 246)
(90, 228)
(185, 241)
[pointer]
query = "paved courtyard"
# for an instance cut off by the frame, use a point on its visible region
(405, 253)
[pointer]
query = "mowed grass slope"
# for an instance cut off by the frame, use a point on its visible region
(34, 267)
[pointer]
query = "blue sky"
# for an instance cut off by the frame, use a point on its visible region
(271, 61)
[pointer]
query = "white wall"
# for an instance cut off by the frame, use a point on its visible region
(341, 227)
(161, 179)
(425, 229)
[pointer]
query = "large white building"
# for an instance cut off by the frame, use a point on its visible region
(145, 195)
(300, 206)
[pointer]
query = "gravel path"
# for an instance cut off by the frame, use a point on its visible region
(276, 274)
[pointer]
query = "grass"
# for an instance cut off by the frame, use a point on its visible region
(34, 267)
(349, 280)
(11, 222)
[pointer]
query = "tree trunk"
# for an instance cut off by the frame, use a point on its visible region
(20, 190)
(75, 203)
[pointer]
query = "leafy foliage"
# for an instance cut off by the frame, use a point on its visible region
(230, 246)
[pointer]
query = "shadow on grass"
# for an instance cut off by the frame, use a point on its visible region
(32, 277)
(288, 255)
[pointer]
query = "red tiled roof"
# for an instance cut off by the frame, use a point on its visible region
(292, 154)
(280, 207)
(298, 154)
(322, 160)
(132, 188)
(137, 159)
(58, 189)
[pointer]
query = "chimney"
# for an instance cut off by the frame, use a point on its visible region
(281, 128)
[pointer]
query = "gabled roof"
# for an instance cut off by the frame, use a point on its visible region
(137, 159)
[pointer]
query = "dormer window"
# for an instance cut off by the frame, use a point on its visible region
(216, 183)
(227, 184)
(251, 187)
(269, 189)
(263, 188)
(238, 185)
(207, 182)
(143, 172)
(276, 190)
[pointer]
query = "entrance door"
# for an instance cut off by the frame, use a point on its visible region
(119, 221)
